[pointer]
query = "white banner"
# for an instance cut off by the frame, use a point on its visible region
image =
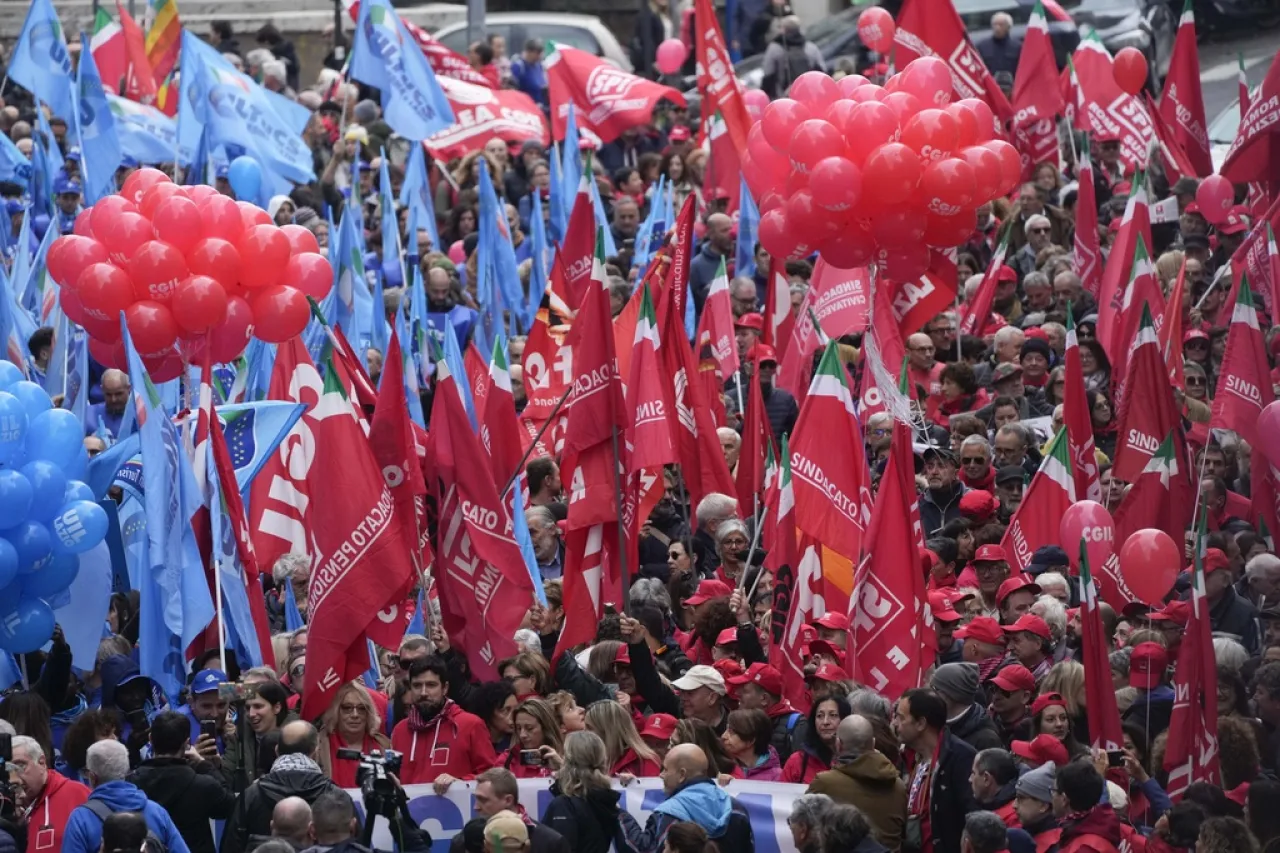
(767, 803)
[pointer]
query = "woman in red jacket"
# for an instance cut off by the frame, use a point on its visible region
(627, 751)
(535, 727)
(816, 753)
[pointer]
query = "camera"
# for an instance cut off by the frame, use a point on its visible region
(382, 794)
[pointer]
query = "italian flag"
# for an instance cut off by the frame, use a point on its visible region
(107, 45)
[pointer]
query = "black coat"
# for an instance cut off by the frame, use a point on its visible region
(977, 729)
(588, 823)
(192, 794)
(951, 798)
(542, 839)
(252, 812)
(1236, 615)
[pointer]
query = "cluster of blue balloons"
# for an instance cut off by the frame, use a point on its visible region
(48, 516)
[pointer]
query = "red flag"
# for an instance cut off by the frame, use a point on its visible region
(1148, 412)
(828, 463)
(485, 588)
(139, 83)
(724, 111)
(571, 271)
(887, 612)
(1182, 102)
(1257, 257)
(838, 300)
(1255, 153)
(354, 375)
(500, 431)
(932, 29)
(1037, 96)
(590, 555)
(778, 319)
(1117, 273)
(482, 113)
(606, 99)
(548, 369)
(107, 46)
(1108, 111)
(674, 291)
(1086, 254)
(917, 302)
(1171, 329)
(1078, 420)
(1100, 695)
(1244, 384)
(477, 379)
(648, 396)
(1039, 517)
(975, 315)
(624, 325)
(1037, 143)
(716, 326)
(1172, 153)
(1143, 289)
(757, 440)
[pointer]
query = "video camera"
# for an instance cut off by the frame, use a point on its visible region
(381, 792)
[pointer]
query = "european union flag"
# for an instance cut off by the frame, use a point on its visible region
(40, 62)
(99, 145)
(386, 57)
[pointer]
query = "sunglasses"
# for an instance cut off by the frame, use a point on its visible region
(1197, 381)
(1039, 231)
(973, 460)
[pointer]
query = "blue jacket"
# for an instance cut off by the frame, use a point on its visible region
(84, 829)
(530, 78)
(703, 271)
(701, 801)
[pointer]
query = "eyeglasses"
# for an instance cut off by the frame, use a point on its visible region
(675, 555)
(973, 460)
(352, 709)
(921, 349)
(1196, 381)
(296, 672)
(1039, 231)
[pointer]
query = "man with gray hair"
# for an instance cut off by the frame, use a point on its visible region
(50, 797)
(742, 296)
(809, 814)
(712, 511)
(107, 765)
(846, 828)
(730, 446)
(295, 570)
(975, 463)
(545, 534)
(863, 777)
(1001, 49)
(1261, 584)
(984, 832)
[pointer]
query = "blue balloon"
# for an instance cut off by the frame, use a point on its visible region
(9, 374)
(53, 578)
(8, 566)
(16, 496)
(245, 176)
(392, 273)
(40, 224)
(78, 467)
(34, 545)
(27, 627)
(33, 398)
(77, 491)
(13, 423)
(55, 436)
(80, 526)
(48, 486)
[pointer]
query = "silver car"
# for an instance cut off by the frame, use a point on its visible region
(585, 32)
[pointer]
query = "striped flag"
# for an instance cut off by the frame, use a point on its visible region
(164, 41)
(106, 42)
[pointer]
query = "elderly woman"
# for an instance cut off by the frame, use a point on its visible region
(732, 544)
(808, 813)
(352, 722)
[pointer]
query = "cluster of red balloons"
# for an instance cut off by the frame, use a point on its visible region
(865, 173)
(189, 268)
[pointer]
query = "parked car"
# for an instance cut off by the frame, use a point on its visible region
(1222, 132)
(585, 32)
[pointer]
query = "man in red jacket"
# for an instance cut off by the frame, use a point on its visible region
(49, 795)
(441, 743)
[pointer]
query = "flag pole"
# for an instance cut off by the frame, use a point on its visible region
(217, 598)
(755, 540)
(536, 437)
(622, 531)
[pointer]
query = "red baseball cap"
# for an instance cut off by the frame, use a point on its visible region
(760, 353)
(1136, 609)
(660, 726)
(1013, 584)
(1147, 665)
(1014, 676)
(1214, 559)
(1122, 188)
(1194, 335)
(708, 590)
(623, 658)
(1044, 749)
(1177, 612)
(941, 607)
(990, 554)
(679, 133)
(1030, 623)
(822, 647)
(1047, 700)
(978, 504)
(1006, 273)
(1233, 224)
(762, 674)
(984, 629)
(750, 321)
(727, 637)
(1191, 207)
(833, 620)
(728, 668)
(830, 672)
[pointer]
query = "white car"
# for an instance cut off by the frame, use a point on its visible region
(1222, 132)
(585, 32)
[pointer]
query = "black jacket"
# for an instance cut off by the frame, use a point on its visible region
(192, 794)
(977, 729)
(542, 839)
(588, 823)
(781, 408)
(1234, 614)
(252, 812)
(937, 509)
(951, 798)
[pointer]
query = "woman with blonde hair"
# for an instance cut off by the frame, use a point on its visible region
(627, 751)
(352, 722)
(585, 808)
(569, 714)
(535, 726)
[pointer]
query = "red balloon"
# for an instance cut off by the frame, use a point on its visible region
(152, 327)
(947, 186)
(904, 104)
(300, 239)
(199, 304)
(310, 273)
(891, 175)
(157, 269)
(852, 247)
(929, 79)
(869, 92)
(219, 217)
(107, 331)
(124, 235)
(141, 180)
(815, 89)
(838, 112)
(848, 83)
(104, 290)
(281, 313)
(251, 215)
(1010, 165)
(966, 123)
(70, 254)
(931, 133)
(154, 195)
(199, 192)
(772, 166)
(1088, 521)
(987, 172)
(263, 253)
(163, 367)
(986, 120)
(1130, 70)
(780, 120)
(229, 339)
(836, 184)
(870, 125)
(812, 141)
(71, 305)
(947, 231)
(1215, 196)
(83, 224)
(876, 29)
(905, 264)
(106, 210)
(774, 233)
(109, 353)
(796, 182)
(177, 222)
(217, 259)
(803, 216)
(1149, 564)
(898, 229)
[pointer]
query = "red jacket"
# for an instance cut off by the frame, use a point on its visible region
(631, 763)
(802, 766)
(452, 742)
(511, 761)
(51, 810)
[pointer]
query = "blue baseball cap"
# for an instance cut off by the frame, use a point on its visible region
(128, 162)
(207, 680)
(73, 153)
(14, 206)
(66, 186)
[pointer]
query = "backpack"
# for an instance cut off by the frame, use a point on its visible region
(794, 63)
(153, 843)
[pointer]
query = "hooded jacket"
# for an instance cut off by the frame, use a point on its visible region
(975, 728)
(290, 776)
(869, 782)
(192, 794)
(700, 801)
(768, 770)
(452, 742)
(51, 810)
(84, 829)
(1094, 831)
(588, 824)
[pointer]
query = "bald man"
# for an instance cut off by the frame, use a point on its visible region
(717, 247)
(864, 778)
(106, 418)
(922, 369)
(290, 820)
(692, 795)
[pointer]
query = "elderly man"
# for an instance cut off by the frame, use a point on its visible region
(976, 471)
(290, 822)
(712, 511)
(1261, 581)
(107, 766)
(940, 501)
(1000, 50)
(106, 418)
(547, 547)
(742, 296)
(923, 370)
(692, 795)
(1039, 236)
(1037, 293)
(1031, 202)
(626, 219)
(49, 796)
(731, 446)
(862, 777)
(1068, 290)
(717, 248)
(995, 775)
(702, 692)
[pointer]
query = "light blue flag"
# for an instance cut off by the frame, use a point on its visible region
(16, 324)
(748, 223)
(557, 199)
(104, 467)
(392, 266)
(412, 386)
(292, 615)
(85, 610)
(133, 517)
(40, 62)
(418, 328)
(197, 172)
(43, 175)
(415, 193)
(146, 134)
(77, 397)
(373, 674)
(175, 605)
(349, 302)
(59, 370)
(260, 359)
(498, 274)
(644, 237)
(418, 624)
(240, 117)
(602, 218)
(294, 114)
(100, 153)
(386, 57)
(39, 293)
(669, 208)
(520, 530)
(570, 163)
(453, 358)
(379, 331)
(538, 269)
(237, 617)
(14, 166)
(51, 146)
(411, 251)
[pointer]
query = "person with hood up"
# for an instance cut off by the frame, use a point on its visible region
(864, 778)
(135, 696)
(294, 773)
(585, 810)
(108, 766)
(692, 795)
(787, 57)
(957, 684)
(994, 780)
(51, 796)
(441, 743)
(1089, 824)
